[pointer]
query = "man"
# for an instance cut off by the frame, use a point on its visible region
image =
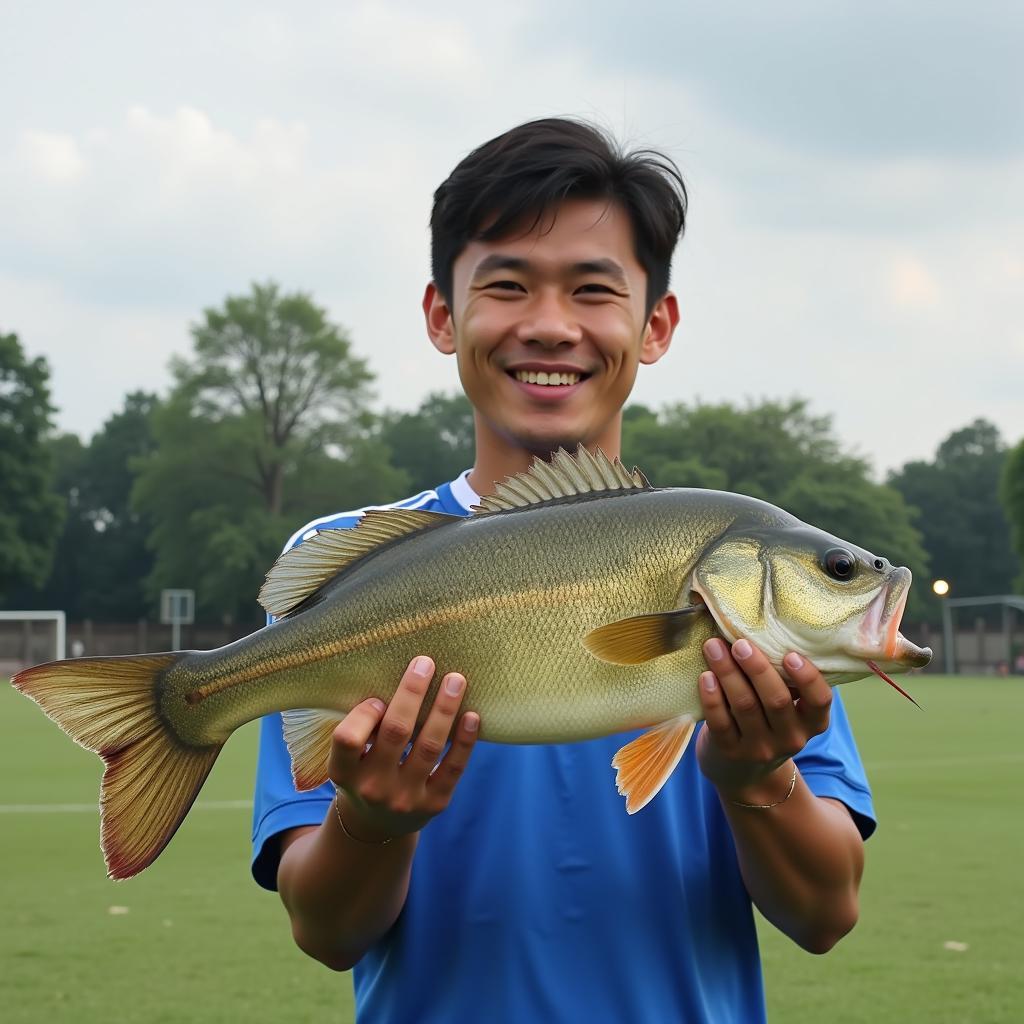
(507, 883)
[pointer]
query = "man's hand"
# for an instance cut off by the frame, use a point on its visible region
(385, 795)
(802, 860)
(755, 721)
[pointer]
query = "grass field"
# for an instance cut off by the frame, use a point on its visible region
(193, 939)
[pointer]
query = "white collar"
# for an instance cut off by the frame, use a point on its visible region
(463, 492)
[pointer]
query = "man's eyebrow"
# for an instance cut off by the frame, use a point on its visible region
(496, 261)
(604, 267)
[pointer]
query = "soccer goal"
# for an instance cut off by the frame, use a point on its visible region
(28, 638)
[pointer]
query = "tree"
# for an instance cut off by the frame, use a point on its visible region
(436, 442)
(1011, 492)
(265, 428)
(30, 513)
(101, 557)
(275, 364)
(964, 527)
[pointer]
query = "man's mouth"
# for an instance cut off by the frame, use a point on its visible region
(548, 378)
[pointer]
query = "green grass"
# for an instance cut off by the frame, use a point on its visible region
(200, 943)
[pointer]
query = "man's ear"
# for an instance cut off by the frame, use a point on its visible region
(661, 324)
(438, 315)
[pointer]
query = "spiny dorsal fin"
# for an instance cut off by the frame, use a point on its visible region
(562, 477)
(303, 570)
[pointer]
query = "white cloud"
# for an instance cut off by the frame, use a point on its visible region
(909, 283)
(51, 157)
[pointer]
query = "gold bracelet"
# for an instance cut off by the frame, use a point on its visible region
(344, 827)
(765, 807)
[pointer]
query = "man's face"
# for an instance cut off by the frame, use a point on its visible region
(549, 329)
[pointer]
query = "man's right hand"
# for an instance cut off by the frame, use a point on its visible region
(383, 794)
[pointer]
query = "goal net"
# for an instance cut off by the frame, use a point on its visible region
(28, 638)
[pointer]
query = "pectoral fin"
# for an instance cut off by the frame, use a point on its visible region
(643, 766)
(642, 637)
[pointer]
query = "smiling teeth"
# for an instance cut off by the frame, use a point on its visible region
(540, 377)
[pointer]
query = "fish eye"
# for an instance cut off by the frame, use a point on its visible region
(879, 564)
(840, 564)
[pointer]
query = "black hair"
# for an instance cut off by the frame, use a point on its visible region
(514, 180)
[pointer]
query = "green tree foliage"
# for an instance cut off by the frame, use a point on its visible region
(1011, 492)
(102, 557)
(30, 513)
(265, 428)
(434, 443)
(781, 453)
(964, 526)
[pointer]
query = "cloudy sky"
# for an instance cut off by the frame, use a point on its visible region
(856, 174)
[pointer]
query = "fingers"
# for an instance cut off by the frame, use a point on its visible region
(760, 702)
(352, 735)
(814, 703)
(442, 782)
(396, 728)
(430, 744)
(717, 717)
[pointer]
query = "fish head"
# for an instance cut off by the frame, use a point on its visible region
(796, 588)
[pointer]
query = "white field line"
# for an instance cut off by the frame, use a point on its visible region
(239, 805)
(205, 805)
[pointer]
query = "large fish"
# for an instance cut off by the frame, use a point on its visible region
(575, 601)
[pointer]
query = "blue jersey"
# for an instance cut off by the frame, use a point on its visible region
(534, 897)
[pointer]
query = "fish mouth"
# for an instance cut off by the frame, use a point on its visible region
(879, 634)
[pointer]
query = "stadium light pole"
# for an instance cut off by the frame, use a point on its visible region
(941, 589)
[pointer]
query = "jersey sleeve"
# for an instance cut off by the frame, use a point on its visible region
(277, 804)
(831, 767)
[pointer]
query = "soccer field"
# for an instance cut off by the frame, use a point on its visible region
(193, 940)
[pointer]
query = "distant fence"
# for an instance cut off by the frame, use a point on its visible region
(980, 648)
(28, 643)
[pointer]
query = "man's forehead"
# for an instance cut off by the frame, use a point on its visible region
(576, 232)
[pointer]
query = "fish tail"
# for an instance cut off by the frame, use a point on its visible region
(151, 779)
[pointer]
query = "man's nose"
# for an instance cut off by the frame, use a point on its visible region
(550, 322)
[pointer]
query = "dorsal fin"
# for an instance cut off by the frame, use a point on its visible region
(303, 570)
(562, 477)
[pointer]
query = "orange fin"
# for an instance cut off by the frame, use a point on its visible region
(308, 732)
(642, 637)
(109, 706)
(644, 765)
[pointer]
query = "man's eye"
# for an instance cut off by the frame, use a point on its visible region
(595, 289)
(507, 285)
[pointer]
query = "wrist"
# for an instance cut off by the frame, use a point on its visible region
(764, 787)
(354, 826)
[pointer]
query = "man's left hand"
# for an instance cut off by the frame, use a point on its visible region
(755, 720)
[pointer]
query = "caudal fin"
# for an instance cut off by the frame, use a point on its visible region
(109, 706)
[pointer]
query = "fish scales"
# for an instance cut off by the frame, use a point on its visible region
(486, 597)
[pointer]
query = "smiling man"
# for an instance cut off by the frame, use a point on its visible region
(510, 885)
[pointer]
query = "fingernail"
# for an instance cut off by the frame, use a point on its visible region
(708, 681)
(421, 666)
(453, 685)
(793, 661)
(742, 649)
(471, 723)
(715, 650)
(378, 705)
